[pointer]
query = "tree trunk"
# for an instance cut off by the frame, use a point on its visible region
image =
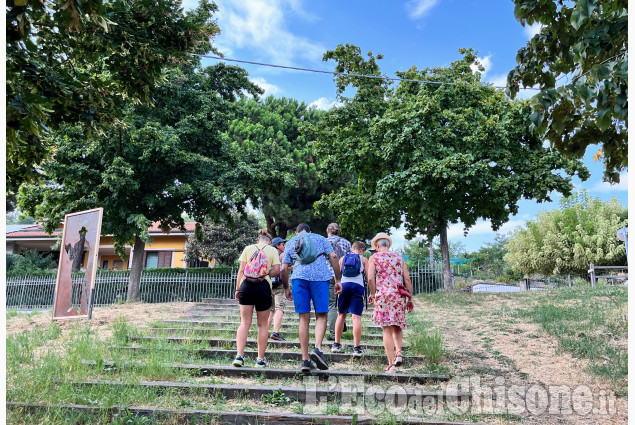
(134, 284)
(445, 254)
(271, 226)
(432, 252)
(282, 230)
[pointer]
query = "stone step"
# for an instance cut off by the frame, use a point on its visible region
(205, 322)
(220, 342)
(225, 417)
(273, 355)
(253, 331)
(277, 373)
(307, 394)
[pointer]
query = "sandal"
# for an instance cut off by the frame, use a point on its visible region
(390, 369)
(398, 359)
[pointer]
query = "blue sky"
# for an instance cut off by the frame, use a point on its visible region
(424, 33)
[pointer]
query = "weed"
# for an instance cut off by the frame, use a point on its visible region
(276, 398)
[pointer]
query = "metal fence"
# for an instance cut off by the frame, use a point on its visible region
(37, 292)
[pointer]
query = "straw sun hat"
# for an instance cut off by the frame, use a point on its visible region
(379, 236)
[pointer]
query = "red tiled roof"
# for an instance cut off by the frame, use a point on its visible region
(36, 231)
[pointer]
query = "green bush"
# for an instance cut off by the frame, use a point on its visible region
(30, 262)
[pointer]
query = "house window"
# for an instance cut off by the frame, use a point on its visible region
(158, 259)
(152, 260)
(117, 265)
(104, 265)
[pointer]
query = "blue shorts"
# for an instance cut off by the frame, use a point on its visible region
(304, 291)
(351, 299)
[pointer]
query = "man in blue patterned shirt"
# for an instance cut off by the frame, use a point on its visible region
(311, 283)
(341, 247)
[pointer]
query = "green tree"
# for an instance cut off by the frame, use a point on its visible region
(223, 241)
(418, 251)
(84, 61)
(570, 239)
(432, 154)
(29, 261)
(585, 41)
(268, 133)
(166, 160)
(490, 258)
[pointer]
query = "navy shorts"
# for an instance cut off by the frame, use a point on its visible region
(351, 299)
(305, 291)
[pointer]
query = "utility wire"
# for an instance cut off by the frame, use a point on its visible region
(344, 74)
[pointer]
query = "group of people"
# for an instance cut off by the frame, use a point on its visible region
(332, 274)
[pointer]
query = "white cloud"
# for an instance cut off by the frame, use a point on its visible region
(498, 80)
(324, 104)
(604, 187)
(486, 62)
(270, 89)
(531, 30)
(260, 26)
(418, 8)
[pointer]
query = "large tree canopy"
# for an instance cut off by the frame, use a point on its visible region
(84, 61)
(166, 160)
(223, 241)
(570, 239)
(427, 155)
(268, 133)
(586, 42)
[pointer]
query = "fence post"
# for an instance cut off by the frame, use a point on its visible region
(592, 271)
(23, 289)
(185, 286)
(549, 282)
(569, 279)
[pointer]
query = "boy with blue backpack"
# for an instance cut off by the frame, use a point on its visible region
(351, 297)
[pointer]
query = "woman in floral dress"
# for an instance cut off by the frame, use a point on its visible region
(386, 271)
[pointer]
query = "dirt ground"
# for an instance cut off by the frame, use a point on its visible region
(511, 352)
(139, 314)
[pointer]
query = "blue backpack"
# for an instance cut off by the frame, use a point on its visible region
(351, 265)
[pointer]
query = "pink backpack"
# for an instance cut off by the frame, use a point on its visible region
(257, 267)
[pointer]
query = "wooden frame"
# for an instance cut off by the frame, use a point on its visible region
(62, 301)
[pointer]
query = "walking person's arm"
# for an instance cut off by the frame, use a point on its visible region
(370, 277)
(284, 275)
(408, 282)
(239, 278)
(337, 271)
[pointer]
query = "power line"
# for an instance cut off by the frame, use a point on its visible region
(344, 74)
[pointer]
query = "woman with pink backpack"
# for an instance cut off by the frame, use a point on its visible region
(258, 263)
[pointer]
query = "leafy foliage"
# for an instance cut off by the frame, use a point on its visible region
(223, 241)
(587, 41)
(418, 251)
(432, 154)
(84, 61)
(568, 240)
(268, 134)
(165, 160)
(29, 262)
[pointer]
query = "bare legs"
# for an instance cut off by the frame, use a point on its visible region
(357, 328)
(246, 314)
(320, 329)
(276, 318)
(262, 318)
(303, 334)
(393, 337)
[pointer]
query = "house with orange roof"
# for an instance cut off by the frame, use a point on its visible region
(166, 249)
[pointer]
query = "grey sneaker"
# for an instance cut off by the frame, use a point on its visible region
(239, 361)
(358, 351)
(331, 337)
(261, 362)
(307, 366)
(336, 347)
(277, 337)
(318, 357)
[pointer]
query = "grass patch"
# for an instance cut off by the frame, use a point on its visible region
(425, 342)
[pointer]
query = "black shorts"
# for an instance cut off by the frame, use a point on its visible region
(256, 294)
